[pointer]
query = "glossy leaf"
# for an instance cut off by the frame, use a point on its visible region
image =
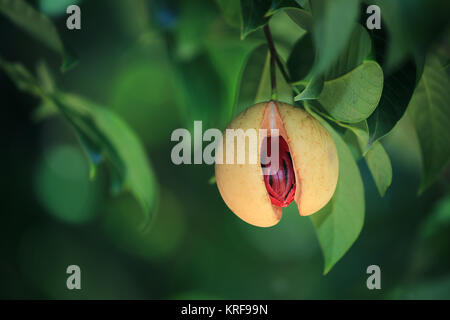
(103, 134)
(301, 58)
(113, 139)
(376, 158)
(380, 167)
(257, 13)
(284, 90)
(39, 26)
(279, 4)
(301, 17)
(339, 223)
(312, 90)
(254, 82)
(253, 71)
(253, 15)
(414, 26)
(333, 25)
(22, 78)
(353, 54)
(54, 8)
(398, 89)
(430, 112)
(354, 96)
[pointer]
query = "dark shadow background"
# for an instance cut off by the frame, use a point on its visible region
(53, 216)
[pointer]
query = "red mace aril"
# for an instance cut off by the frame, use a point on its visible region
(281, 184)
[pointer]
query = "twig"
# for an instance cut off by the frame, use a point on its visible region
(275, 58)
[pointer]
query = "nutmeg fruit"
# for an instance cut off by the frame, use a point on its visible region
(307, 170)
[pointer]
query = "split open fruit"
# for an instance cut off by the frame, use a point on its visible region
(307, 171)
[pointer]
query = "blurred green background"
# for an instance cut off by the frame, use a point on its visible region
(160, 65)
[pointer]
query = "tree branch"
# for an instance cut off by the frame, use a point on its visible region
(276, 59)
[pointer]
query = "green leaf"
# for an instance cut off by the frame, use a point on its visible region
(360, 130)
(257, 13)
(339, 223)
(430, 112)
(39, 26)
(264, 92)
(253, 15)
(380, 167)
(253, 71)
(54, 8)
(46, 81)
(398, 88)
(22, 78)
(353, 144)
(45, 78)
(103, 135)
(279, 4)
(414, 26)
(352, 55)
(356, 137)
(333, 25)
(312, 90)
(354, 96)
(397, 92)
(303, 3)
(301, 58)
(254, 82)
(301, 17)
(303, 54)
(376, 158)
(110, 137)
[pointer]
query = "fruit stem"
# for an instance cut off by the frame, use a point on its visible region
(274, 57)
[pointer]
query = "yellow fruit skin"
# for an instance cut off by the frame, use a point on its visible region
(314, 158)
(242, 185)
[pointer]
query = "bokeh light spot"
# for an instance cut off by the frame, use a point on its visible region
(122, 221)
(63, 187)
(55, 8)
